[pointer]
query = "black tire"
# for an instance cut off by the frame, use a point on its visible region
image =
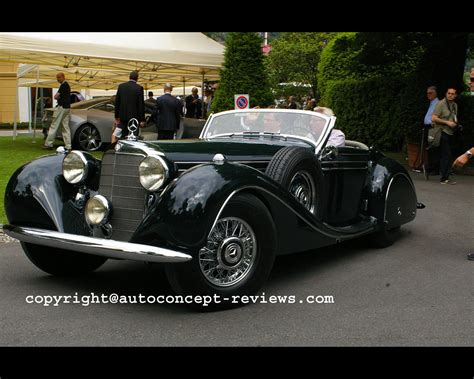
(290, 161)
(189, 278)
(384, 238)
(87, 138)
(61, 262)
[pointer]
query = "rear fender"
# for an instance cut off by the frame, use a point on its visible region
(392, 194)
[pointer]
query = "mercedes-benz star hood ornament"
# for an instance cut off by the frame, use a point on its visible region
(132, 128)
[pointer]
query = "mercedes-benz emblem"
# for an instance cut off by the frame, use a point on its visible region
(132, 128)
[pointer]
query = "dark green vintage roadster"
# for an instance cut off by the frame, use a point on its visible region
(215, 210)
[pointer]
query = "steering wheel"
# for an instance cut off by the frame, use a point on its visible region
(296, 130)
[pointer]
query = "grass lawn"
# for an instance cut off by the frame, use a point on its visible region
(14, 154)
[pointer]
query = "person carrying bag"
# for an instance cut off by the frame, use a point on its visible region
(434, 136)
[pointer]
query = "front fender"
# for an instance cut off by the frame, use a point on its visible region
(34, 194)
(37, 195)
(190, 205)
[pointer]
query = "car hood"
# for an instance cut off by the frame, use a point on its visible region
(255, 151)
(234, 149)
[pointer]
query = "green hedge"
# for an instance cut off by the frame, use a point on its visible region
(337, 62)
(385, 113)
(376, 111)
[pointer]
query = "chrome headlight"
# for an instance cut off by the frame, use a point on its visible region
(153, 173)
(75, 167)
(97, 210)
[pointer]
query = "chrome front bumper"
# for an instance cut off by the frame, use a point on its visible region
(95, 246)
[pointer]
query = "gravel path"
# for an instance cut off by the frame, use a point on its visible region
(4, 238)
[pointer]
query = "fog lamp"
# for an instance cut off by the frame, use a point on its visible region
(97, 210)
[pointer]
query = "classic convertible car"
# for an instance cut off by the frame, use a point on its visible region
(215, 210)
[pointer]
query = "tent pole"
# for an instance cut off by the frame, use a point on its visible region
(29, 110)
(15, 114)
(36, 105)
(202, 95)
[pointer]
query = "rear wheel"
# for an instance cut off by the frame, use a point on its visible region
(87, 138)
(236, 259)
(61, 262)
(385, 237)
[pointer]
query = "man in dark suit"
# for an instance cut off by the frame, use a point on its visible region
(129, 103)
(169, 110)
(193, 104)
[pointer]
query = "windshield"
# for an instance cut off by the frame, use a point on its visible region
(301, 124)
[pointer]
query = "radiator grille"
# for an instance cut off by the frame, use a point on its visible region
(119, 182)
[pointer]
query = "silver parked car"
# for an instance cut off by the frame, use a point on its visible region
(91, 122)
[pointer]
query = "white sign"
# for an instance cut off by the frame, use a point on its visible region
(241, 101)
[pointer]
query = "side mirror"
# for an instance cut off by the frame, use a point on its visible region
(329, 152)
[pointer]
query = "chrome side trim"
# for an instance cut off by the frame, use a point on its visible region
(388, 191)
(341, 236)
(210, 161)
(95, 246)
(343, 168)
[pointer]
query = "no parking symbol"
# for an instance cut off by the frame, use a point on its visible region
(241, 101)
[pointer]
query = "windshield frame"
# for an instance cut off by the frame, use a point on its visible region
(318, 145)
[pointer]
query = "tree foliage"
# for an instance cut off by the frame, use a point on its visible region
(294, 58)
(221, 36)
(242, 72)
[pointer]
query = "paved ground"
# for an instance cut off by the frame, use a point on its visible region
(418, 292)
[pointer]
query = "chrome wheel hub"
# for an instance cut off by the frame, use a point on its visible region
(89, 138)
(230, 252)
(302, 187)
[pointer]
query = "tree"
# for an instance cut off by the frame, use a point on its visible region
(294, 58)
(242, 72)
(221, 36)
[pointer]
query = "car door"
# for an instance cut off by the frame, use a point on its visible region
(345, 173)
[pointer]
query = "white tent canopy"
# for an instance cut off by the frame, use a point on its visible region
(102, 60)
(177, 91)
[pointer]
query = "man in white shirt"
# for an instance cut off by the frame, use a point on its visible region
(433, 154)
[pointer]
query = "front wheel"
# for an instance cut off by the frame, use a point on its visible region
(61, 262)
(236, 259)
(87, 138)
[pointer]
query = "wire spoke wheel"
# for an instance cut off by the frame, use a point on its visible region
(230, 252)
(303, 188)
